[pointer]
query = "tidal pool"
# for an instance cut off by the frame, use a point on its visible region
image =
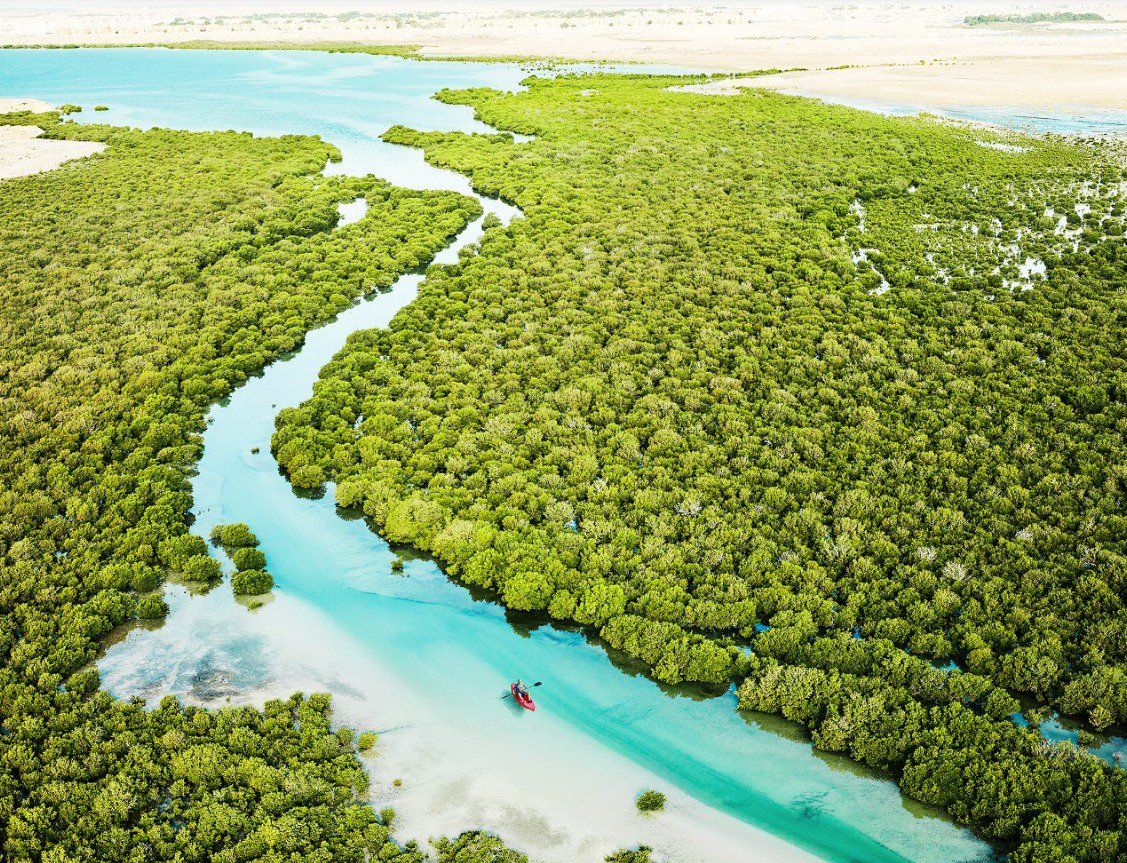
(413, 655)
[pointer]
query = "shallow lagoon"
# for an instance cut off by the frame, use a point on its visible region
(415, 656)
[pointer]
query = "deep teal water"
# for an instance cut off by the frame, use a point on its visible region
(432, 634)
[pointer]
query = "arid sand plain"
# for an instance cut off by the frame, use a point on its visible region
(982, 83)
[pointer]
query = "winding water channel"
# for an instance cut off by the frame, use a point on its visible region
(414, 655)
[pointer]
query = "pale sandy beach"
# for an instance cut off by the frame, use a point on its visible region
(999, 65)
(984, 83)
(23, 152)
(37, 106)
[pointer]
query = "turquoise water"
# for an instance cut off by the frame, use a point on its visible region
(431, 641)
(348, 99)
(1110, 748)
(1061, 729)
(1086, 122)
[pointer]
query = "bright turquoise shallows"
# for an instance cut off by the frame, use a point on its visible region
(428, 637)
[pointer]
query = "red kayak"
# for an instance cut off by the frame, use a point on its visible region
(522, 699)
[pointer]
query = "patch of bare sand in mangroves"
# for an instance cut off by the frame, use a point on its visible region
(23, 152)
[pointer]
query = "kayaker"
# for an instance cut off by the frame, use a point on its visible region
(522, 690)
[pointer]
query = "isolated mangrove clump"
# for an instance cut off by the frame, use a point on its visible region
(251, 582)
(641, 854)
(232, 536)
(248, 558)
(650, 801)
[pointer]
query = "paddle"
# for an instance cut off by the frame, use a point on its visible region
(507, 694)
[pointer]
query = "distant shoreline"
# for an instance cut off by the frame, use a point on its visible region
(407, 52)
(913, 53)
(952, 89)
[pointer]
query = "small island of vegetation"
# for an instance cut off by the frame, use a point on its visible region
(650, 801)
(250, 577)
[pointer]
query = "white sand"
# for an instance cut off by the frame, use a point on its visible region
(22, 152)
(1030, 65)
(571, 803)
(1013, 82)
(37, 106)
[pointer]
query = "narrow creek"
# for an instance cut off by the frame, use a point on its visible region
(413, 655)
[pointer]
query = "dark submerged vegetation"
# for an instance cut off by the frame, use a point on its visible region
(758, 360)
(140, 285)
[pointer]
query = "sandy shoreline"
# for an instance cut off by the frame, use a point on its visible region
(985, 83)
(23, 152)
(456, 775)
(37, 106)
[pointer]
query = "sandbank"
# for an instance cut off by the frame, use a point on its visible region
(558, 805)
(23, 152)
(36, 106)
(983, 83)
